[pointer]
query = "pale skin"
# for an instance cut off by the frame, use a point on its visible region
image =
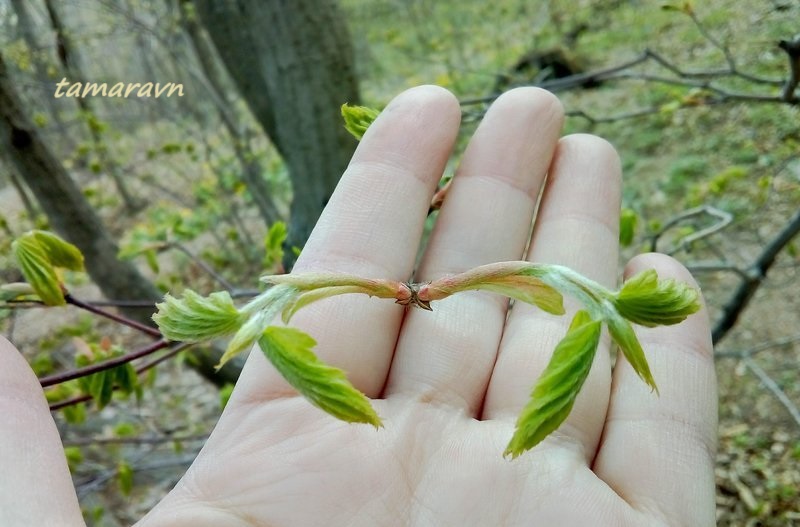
(448, 383)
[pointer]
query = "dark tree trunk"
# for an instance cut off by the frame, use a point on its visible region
(72, 217)
(293, 63)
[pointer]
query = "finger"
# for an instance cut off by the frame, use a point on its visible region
(577, 226)
(658, 451)
(371, 227)
(36, 488)
(447, 355)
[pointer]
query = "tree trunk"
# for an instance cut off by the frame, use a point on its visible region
(72, 217)
(293, 63)
(252, 172)
(68, 56)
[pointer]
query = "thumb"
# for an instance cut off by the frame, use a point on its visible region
(35, 487)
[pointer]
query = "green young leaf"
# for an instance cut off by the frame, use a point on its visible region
(648, 301)
(101, 387)
(273, 244)
(558, 386)
(60, 252)
(622, 333)
(358, 118)
(38, 270)
(15, 290)
(627, 226)
(194, 318)
(125, 478)
(289, 350)
(126, 378)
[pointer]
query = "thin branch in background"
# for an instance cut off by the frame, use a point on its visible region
(773, 387)
(140, 440)
(740, 354)
(202, 264)
(715, 267)
(756, 273)
(141, 369)
(148, 330)
(725, 218)
(59, 378)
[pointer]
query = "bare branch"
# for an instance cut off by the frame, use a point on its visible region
(725, 219)
(756, 273)
(770, 344)
(773, 387)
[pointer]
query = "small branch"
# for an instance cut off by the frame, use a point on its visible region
(713, 267)
(756, 274)
(141, 369)
(773, 387)
(102, 366)
(148, 330)
(725, 219)
(133, 440)
(203, 265)
(741, 354)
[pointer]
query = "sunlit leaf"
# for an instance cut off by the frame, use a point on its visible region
(38, 270)
(273, 244)
(358, 118)
(289, 350)
(61, 253)
(648, 301)
(194, 318)
(555, 391)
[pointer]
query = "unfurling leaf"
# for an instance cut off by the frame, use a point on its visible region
(38, 270)
(622, 333)
(194, 318)
(60, 253)
(289, 350)
(558, 386)
(648, 301)
(358, 118)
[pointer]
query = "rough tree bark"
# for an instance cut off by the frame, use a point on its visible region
(293, 63)
(71, 216)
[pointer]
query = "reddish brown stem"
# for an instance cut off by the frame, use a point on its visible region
(151, 331)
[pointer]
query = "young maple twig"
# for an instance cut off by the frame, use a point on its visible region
(148, 330)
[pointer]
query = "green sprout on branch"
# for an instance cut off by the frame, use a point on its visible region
(643, 300)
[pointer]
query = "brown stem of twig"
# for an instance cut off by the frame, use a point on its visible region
(148, 330)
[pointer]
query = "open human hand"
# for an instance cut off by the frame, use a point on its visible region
(448, 384)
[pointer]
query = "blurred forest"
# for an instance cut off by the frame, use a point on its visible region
(211, 189)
